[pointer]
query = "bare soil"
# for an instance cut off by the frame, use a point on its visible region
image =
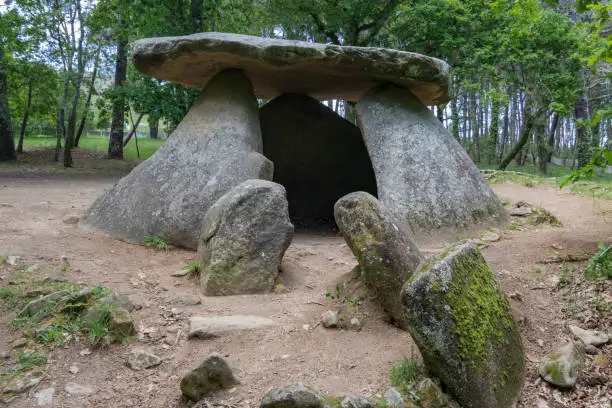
(528, 262)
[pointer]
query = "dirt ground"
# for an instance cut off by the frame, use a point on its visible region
(528, 263)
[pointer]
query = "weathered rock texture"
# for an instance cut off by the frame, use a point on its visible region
(385, 252)
(563, 366)
(293, 396)
(318, 157)
(280, 66)
(213, 374)
(463, 325)
(207, 327)
(243, 240)
(424, 176)
(216, 147)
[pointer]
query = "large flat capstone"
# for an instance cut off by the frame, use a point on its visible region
(216, 147)
(275, 66)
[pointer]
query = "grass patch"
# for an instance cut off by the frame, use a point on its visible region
(599, 187)
(599, 266)
(31, 361)
(193, 267)
(146, 146)
(156, 242)
(406, 375)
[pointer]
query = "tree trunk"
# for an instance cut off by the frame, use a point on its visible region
(505, 132)
(494, 131)
(455, 119)
(582, 131)
(475, 129)
(61, 125)
(539, 128)
(154, 127)
(196, 15)
(440, 113)
(551, 136)
(7, 143)
(115, 145)
(24, 121)
(134, 129)
(88, 100)
(525, 134)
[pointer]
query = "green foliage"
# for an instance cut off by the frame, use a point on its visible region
(156, 242)
(564, 278)
(406, 375)
(31, 361)
(600, 265)
(193, 267)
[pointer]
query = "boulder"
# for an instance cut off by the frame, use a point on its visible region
(562, 366)
(43, 304)
(318, 157)
(216, 147)
(431, 396)
(293, 396)
(386, 254)
(243, 240)
(462, 323)
(213, 374)
(424, 176)
(206, 327)
(323, 71)
(355, 401)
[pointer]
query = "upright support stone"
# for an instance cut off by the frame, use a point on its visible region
(386, 254)
(217, 146)
(424, 176)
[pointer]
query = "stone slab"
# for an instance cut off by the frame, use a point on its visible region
(276, 66)
(204, 327)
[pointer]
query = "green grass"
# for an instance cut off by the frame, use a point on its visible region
(193, 267)
(147, 146)
(406, 375)
(156, 242)
(31, 361)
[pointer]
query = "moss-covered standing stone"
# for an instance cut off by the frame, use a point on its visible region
(461, 320)
(385, 252)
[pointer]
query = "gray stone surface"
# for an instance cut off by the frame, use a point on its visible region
(323, 71)
(393, 399)
(563, 366)
(244, 237)
(43, 303)
(590, 337)
(293, 396)
(330, 319)
(385, 252)
(318, 157)
(431, 396)
(424, 175)
(213, 374)
(77, 389)
(355, 401)
(463, 325)
(205, 327)
(216, 147)
(139, 359)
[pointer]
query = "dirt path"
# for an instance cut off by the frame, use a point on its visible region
(32, 210)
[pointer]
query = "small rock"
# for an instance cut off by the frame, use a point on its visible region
(32, 268)
(6, 205)
(84, 352)
(601, 361)
(18, 385)
(121, 323)
(39, 305)
(355, 324)
(592, 350)
(330, 319)
(520, 211)
(180, 273)
(79, 389)
(20, 342)
(562, 366)
(293, 396)
(431, 396)
(394, 399)
(44, 397)
(490, 237)
(12, 260)
(355, 401)
(211, 375)
(73, 369)
(540, 342)
(516, 296)
(185, 300)
(64, 259)
(590, 337)
(140, 360)
(71, 220)
(5, 355)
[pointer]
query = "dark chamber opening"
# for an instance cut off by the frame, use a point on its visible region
(318, 157)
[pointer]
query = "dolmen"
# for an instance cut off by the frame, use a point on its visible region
(399, 153)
